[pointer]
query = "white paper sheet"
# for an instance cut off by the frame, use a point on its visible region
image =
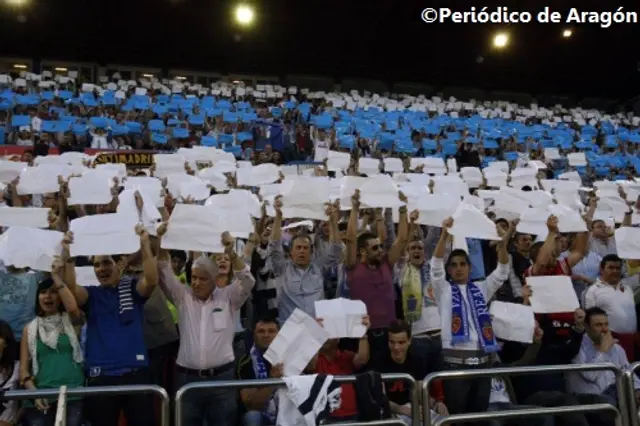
(258, 175)
(86, 276)
(469, 222)
(103, 234)
(552, 294)
(627, 242)
(379, 191)
(569, 220)
(150, 186)
(9, 170)
(30, 247)
(90, 189)
(342, 317)
(298, 341)
(28, 217)
(42, 179)
(193, 228)
(128, 209)
(512, 321)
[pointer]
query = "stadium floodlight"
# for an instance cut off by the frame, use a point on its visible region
(567, 33)
(16, 3)
(244, 15)
(500, 40)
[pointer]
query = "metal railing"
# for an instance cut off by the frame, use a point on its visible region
(261, 383)
(523, 371)
(390, 422)
(99, 390)
(630, 377)
(528, 412)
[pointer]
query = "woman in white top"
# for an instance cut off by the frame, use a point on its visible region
(9, 373)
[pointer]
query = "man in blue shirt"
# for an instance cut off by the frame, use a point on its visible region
(115, 350)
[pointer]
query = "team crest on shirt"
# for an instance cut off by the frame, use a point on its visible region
(487, 331)
(456, 323)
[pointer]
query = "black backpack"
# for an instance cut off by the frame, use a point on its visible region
(371, 399)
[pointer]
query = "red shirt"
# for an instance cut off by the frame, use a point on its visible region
(341, 365)
(560, 322)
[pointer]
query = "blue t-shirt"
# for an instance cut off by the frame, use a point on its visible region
(113, 348)
(18, 293)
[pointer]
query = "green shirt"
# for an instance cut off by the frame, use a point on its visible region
(56, 367)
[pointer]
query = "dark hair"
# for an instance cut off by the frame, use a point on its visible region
(400, 326)
(266, 319)
(458, 253)
(305, 236)
(592, 312)
(182, 255)
(502, 220)
(535, 249)
(363, 239)
(342, 226)
(610, 258)
(45, 285)
(10, 353)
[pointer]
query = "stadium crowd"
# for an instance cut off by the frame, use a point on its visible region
(409, 183)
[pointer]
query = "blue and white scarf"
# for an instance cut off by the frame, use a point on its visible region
(125, 299)
(260, 370)
(479, 313)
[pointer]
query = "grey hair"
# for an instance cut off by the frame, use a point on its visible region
(208, 265)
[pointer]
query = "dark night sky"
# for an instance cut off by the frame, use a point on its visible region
(379, 39)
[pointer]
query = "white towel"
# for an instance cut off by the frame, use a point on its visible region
(307, 400)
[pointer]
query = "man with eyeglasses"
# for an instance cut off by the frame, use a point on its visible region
(370, 273)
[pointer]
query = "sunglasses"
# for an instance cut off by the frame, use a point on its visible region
(376, 247)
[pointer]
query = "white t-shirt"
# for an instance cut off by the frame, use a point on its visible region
(321, 148)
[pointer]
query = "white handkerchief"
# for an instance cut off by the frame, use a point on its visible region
(469, 222)
(298, 341)
(103, 234)
(28, 217)
(512, 321)
(627, 242)
(30, 247)
(552, 294)
(342, 317)
(86, 276)
(90, 189)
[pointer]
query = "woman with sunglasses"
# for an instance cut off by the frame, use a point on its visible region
(50, 351)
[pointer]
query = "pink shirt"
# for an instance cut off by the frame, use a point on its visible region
(206, 327)
(375, 288)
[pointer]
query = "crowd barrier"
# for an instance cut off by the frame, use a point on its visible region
(260, 383)
(625, 414)
(98, 390)
(622, 390)
(528, 412)
(629, 375)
